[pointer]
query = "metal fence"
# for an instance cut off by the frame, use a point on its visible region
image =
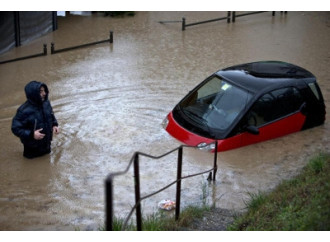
(231, 17)
(27, 57)
(184, 25)
(53, 51)
(234, 15)
(109, 208)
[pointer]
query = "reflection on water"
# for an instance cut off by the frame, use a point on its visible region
(110, 101)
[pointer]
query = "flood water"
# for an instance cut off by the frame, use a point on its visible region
(110, 101)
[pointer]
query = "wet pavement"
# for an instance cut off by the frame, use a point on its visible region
(110, 100)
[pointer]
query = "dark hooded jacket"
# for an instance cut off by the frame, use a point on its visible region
(34, 114)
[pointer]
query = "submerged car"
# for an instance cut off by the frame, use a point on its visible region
(246, 104)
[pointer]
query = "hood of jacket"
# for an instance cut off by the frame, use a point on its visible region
(32, 92)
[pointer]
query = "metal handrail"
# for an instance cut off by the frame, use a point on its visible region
(138, 198)
(158, 191)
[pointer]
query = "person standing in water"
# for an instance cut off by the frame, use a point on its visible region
(35, 122)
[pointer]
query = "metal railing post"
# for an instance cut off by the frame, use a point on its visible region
(183, 24)
(111, 37)
(228, 17)
(178, 184)
(52, 48)
(234, 17)
(45, 49)
(137, 207)
(137, 192)
(109, 203)
(215, 166)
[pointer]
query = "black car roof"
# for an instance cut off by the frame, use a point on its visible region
(256, 76)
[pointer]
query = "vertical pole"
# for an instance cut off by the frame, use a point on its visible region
(273, 13)
(17, 29)
(54, 17)
(228, 17)
(52, 48)
(215, 166)
(137, 192)
(45, 49)
(109, 203)
(178, 184)
(234, 17)
(183, 24)
(111, 37)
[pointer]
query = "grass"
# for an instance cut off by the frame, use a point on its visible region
(299, 204)
(163, 221)
(168, 223)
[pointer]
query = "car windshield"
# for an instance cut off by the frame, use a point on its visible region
(215, 105)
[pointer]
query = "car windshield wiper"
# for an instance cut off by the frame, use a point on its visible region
(193, 116)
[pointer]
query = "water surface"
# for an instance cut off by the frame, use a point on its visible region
(110, 101)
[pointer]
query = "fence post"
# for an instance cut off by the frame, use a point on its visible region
(111, 37)
(45, 49)
(178, 184)
(234, 16)
(228, 17)
(215, 166)
(109, 203)
(52, 48)
(137, 192)
(183, 24)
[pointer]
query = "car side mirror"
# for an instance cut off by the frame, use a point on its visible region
(252, 129)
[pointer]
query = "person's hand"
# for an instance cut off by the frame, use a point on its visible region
(56, 130)
(38, 135)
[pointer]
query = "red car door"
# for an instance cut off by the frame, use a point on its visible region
(275, 114)
(278, 128)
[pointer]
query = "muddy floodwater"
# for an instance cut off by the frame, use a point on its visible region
(110, 101)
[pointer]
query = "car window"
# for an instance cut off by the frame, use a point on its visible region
(215, 105)
(213, 87)
(274, 105)
(226, 106)
(313, 87)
